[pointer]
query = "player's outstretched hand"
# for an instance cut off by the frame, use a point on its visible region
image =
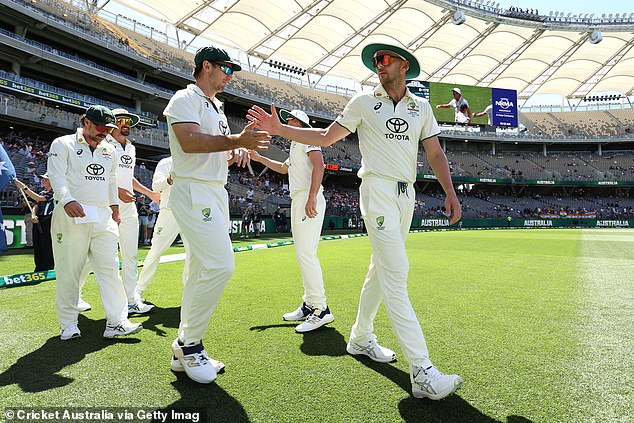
(255, 156)
(269, 122)
(453, 207)
(251, 139)
(240, 156)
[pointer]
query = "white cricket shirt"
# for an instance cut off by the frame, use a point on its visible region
(126, 160)
(300, 168)
(159, 181)
(389, 135)
(77, 174)
(191, 105)
(456, 107)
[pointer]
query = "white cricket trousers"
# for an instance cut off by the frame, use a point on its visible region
(306, 236)
(387, 212)
(72, 245)
(202, 213)
(128, 245)
(165, 232)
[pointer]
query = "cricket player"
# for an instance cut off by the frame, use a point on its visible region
(458, 102)
(199, 140)
(488, 112)
(129, 226)
(391, 122)
(166, 228)
(82, 169)
(305, 168)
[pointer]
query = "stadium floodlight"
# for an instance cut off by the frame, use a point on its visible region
(458, 17)
(596, 37)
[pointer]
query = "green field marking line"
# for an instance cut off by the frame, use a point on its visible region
(34, 278)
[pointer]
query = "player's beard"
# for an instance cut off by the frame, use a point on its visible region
(125, 131)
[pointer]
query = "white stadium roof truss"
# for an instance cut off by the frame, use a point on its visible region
(325, 37)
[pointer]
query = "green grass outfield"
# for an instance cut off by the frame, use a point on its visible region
(539, 323)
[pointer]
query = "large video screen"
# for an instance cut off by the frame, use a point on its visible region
(499, 106)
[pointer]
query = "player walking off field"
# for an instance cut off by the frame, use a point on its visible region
(305, 168)
(199, 140)
(82, 169)
(129, 227)
(390, 122)
(166, 228)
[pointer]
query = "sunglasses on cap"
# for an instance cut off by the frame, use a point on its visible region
(124, 121)
(384, 59)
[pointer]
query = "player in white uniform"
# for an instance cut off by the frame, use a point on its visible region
(166, 228)
(488, 112)
(305, 168)
(82, 170)
(129, 226)
(199, 140)
(458, 102)
(391, 122)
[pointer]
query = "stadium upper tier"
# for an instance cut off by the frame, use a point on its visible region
(457, 41)
(548, 127)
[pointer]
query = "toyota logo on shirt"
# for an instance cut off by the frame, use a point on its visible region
(397, 126)
(126, 161)
(95, 170)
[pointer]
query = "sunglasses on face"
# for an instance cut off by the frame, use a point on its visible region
(124, 121)
(104, 129)
(384, 59)
(228, 70)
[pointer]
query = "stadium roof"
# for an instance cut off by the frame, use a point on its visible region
(532, 53)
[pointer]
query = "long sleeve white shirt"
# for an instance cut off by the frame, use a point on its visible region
(79, 174)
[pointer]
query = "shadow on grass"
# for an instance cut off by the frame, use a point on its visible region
(324, 341)
(213, 402)
(166, 317)
(279, 325)
(38, 370)
(452, 409)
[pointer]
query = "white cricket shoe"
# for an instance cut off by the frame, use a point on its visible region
(139, 307)
(433, 384)
(302, 312)
(122, 328)
(315, 320)
(70, 332)
(195, 362)
(178, 367)
(371, 349)
(83, 305)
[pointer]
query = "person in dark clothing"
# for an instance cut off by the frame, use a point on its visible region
(43, 211)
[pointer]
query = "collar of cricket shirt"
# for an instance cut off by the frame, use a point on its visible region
(380, 92)
(195, 88)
